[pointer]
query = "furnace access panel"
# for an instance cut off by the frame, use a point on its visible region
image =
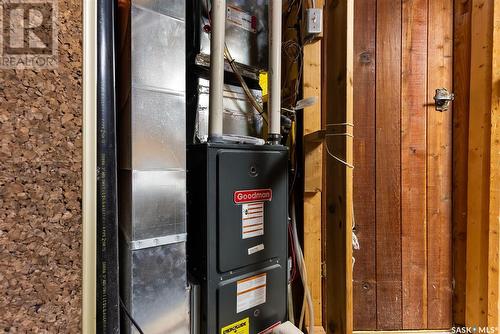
(237, 235)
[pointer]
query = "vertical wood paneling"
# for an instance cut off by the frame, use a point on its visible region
(439, 190)
(461, 83)
(364, 283)
(478, 167)
(388, 160)
(413, 163)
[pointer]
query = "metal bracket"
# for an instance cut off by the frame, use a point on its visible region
(443, 98)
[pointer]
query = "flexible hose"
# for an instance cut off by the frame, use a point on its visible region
(303, 272)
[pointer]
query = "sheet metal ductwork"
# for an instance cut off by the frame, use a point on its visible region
(240, 118)
(246, 38)
(152, 174)
(246, 33)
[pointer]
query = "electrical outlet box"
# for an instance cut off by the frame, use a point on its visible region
(314, 21)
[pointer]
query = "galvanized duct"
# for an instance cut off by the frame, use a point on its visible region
(152, 176)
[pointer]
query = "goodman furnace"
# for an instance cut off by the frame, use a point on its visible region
(237, 235)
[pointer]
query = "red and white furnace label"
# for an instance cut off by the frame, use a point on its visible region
(242, 19)
(254, 195)
(252, 220)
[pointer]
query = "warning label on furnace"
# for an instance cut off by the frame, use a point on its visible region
(250, 292)
(241, 19)
(252, 219)
(239, 327)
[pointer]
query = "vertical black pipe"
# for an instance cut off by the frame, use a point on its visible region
(107, 294)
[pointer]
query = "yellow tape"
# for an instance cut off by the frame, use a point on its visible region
(263, 84)
(239, 327)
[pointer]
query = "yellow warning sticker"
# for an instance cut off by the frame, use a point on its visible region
(263, 85)
(239, 327)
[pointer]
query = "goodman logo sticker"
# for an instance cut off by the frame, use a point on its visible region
(254, 195)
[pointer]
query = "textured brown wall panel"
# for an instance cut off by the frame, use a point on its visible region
(40, 189)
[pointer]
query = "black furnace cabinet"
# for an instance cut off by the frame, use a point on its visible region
(237, 235)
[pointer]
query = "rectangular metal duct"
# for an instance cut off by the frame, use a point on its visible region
(246, 32)
(152, 177)
(239, 116)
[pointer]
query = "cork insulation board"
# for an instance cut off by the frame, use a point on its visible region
(40, 189)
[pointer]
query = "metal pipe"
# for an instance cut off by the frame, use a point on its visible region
(217, 39)
(274, 108)
(195, 308)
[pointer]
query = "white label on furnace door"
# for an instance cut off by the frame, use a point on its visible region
(250, 292)
(255, 249)
(252, 220)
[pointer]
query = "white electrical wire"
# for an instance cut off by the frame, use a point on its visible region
(346, 134)
(303, 273)
(291, 316)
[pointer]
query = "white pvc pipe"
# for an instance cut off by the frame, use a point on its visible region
(89, 167)
(217, 38)
(274, 108)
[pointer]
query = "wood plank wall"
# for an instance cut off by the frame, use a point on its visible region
(439, 166)
(461, 82)
(402, 156)
(364, 283)
(413, 163)
(388, 162)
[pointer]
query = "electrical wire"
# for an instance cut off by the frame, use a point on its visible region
(346, 134)
(303, 272)
(337, 158)
(243, 83)
(136, 325)
(293, 273)
(293, 51)
(291, 316)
